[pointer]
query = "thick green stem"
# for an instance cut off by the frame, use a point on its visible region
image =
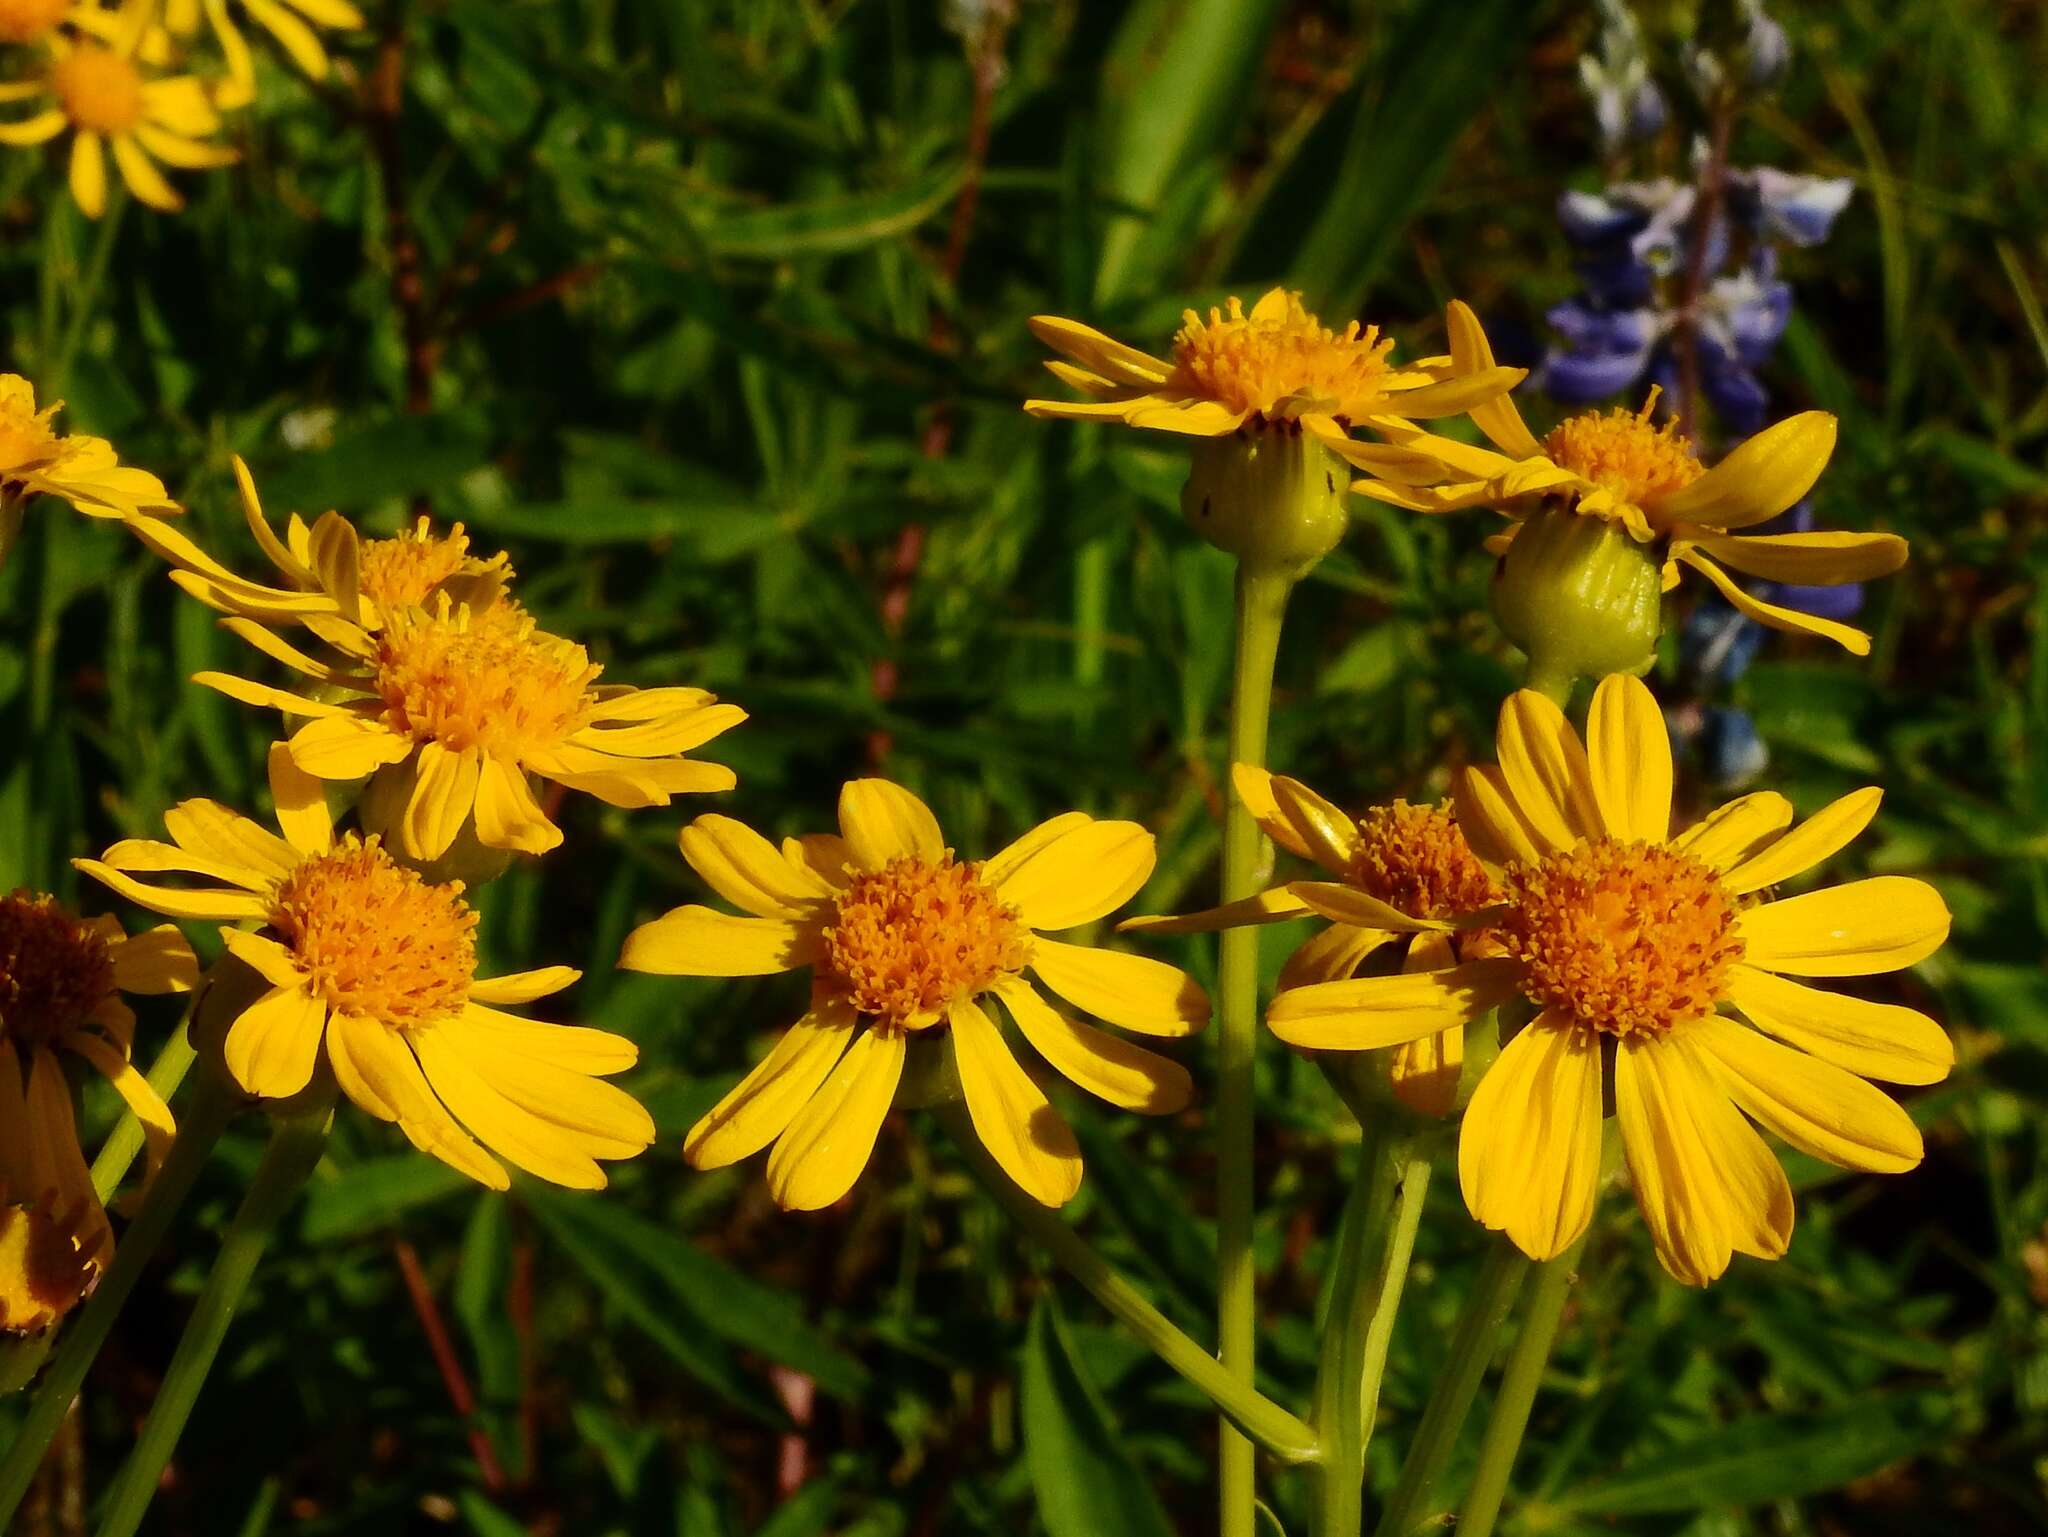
(294, 1151)
(1518, 1384)
(20, 1360)
(201, 1127)
(1372, 1272)
(1473, 1343)
(1281, 1433)
(1261, 604)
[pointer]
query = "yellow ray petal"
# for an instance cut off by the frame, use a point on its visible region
(274, 1043)
(1107, 1066)
(1099, 353)
(142, 177)
(1546, 772)
(1330, 956)
(1819, 837)
(1760, 479)
(346, 747)
(523, 986)
(158, 1129)
(507, 814)
(831, 1138)
(1665, 1100)
(698, 941)
(1011, 1114)
(1872, 1040)
(1424, 1072)
(513, 1132)
(1368, 1012)
(1002, 866)
(576, 1048)
(378, 1071)
(749, 871)
(883, 821)
(1347, 904)
(1082, 875)
(210, 830)
(1529, 1149)
(1329, 835)
(1492, 823)
(1817, 1107)
(1885, 923)
(158, 960)
(761, 1105)
(1629, 749)
(1133, 991)
(1471, 353)
(443, 798)
(1774, 615)
(300, 799)
(1809, 560)
(1275, 906)
(1728, 835)
(263, 696)
(598, 1118)
(29, 132)
(1254, 787)
(224, 906)
(88, 174)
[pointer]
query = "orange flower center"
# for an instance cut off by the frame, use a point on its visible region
(407, 570)
(54, 969)
(373, 938)
(43, 1270)
(98, 89)
(1279, 363)
(483, 678)
(1621, 453)
(1415, 858)
(912, 938)
(23, 21)
(1621, 936)
(26, 441)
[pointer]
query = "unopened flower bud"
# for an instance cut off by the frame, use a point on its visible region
(1270, 493)
(1580, 596)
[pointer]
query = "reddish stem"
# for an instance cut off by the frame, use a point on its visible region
(1706, 207)
(452, 1375)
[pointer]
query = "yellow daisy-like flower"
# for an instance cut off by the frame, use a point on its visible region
(291, 22)
(37, 460)
(1402, 873)
(1276, 364)
(46, 1267)
(1648, 480)
(375, 967)
(331, 571)
(101, 95)
(1669, 954)
(29, 21)
(904, 941)
(454, 707)
(61, 980)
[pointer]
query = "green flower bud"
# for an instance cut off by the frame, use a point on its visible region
(1269, 493)
(1580, 596)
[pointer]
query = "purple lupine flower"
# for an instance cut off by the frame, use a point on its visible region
(1626, 102)
(1731, 752)
(1766, 51)
(1716, 644)
(1604, 351)
(1782, 206)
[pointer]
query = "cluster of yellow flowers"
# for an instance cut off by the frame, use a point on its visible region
(1625, 963)
(137, 81)
(1550, 894)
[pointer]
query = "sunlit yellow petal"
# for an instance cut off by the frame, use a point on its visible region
(1084, 874)
(1885, 923)
(1817, 1107)
(1529, 1148)
(698, 941)
(1629, 749)
(1763, 476)
(1011, 1114)
(761, 1105)
(1367, 1012)
(1818, 838)
(1107, 1066)
(1133, 991)
(1872, 1040)
(818, 1158)
(883, 821)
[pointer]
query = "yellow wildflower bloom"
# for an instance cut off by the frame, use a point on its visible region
(454, 707)
(1276, 364)
(36, 460)
(1626, 940)
(291, 22)
(903, 940)
(105, 99)
(1402, 873)
(329, 570)
(376, 967)
(45, 1264)
(29, 21)
(1648, 480)
(61, 980)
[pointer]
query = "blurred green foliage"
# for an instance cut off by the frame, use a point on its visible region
(662, 296)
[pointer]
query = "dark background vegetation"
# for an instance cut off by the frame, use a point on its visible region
(712, 314)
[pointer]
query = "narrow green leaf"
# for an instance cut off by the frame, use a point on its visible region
(1086, 1482)
(376, 1193)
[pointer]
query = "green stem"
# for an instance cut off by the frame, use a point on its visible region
(1518, 1384)
(20, 1360)
(295, 1147)
(1473, 1343)
(13, 508)
(1281, 1433)
(1555, 684)
(1261, 605)
(58, 368)
(204, 1121)
(1372, 1272)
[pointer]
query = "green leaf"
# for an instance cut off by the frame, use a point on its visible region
(1087, 1484)
(406, 456)
(821, 226)
(376, 1193)
(807, 1513)
(1771, 1457)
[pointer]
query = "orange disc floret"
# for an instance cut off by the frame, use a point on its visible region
(406, 570)
(1621, 937)
(23, 21)
(1416, 859)
(486, 679)
(374, 939)
(914, 937)
(54, 969)
(1255, 362)
(1620, 452)
(98, 89)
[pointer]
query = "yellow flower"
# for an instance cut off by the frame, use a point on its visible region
(290, 22)
(28, 21)
(904, 940)
(453, 708)
(1657, 949)
(45, 1264)
(329, 569)
(377, 966)
(106, 100)
(1645, 479)
(61, 978)
(35, 459)
(1278, 364)
(1402, 873)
